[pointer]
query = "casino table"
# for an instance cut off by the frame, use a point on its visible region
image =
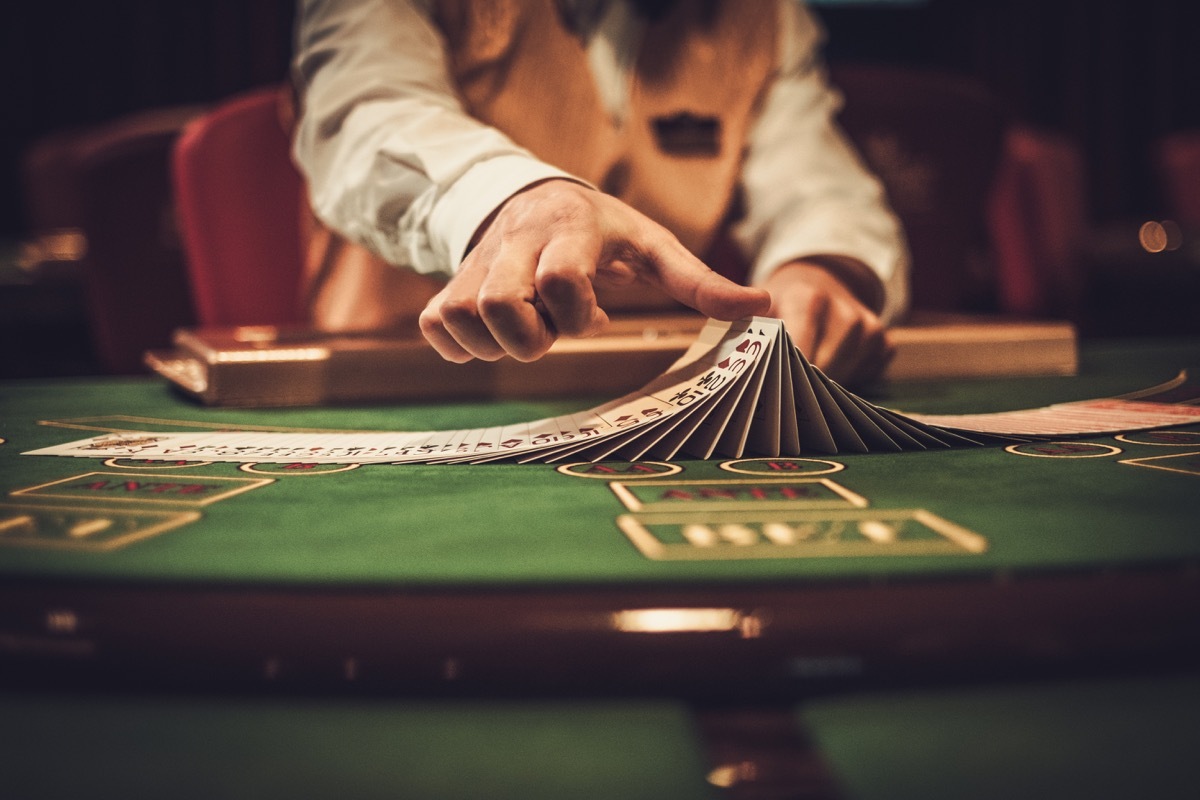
(679, 627)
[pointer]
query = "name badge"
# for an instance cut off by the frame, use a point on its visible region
(687, 134)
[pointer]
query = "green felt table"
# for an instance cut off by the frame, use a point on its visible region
(504, 524)
(1042, 556)
(425, 631)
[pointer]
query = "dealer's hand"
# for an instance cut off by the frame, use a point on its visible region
(530, 276)
(834, 329)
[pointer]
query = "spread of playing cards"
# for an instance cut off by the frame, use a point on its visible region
(741, 388)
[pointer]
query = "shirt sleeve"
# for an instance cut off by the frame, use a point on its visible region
(392, 159)
(807, 192)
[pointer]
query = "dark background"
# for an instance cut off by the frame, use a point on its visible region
(1112, 74)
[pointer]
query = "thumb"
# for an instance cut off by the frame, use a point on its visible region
(687, 279)
(720, 298)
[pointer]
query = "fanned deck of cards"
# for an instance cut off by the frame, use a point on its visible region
(742, 388)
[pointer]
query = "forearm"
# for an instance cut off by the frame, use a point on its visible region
(392, 159)
(808, 195)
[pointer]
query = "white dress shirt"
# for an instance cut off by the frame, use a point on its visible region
(395, 163)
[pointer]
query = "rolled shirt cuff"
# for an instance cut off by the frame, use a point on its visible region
(477, 193)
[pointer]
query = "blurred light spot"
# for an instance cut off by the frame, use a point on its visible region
(728, 776)
(1152, 237)
(676, 620)
(256, 333)
(1155, 236)
(724, 776)
(64, 244)
(281, 354)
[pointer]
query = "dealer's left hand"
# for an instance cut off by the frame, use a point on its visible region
(834, 329)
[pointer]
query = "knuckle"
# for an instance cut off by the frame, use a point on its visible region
(820, 306)
(459, 311)
(852, 322)
(562, 284)
(871, 330)
(492, 305)
(430, 319)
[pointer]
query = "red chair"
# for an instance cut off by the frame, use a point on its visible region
(934, 139)
(994, 212)
(1038, 223)
(239, 203)
(107, 185)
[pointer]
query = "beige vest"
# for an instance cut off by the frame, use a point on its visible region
(699, 78)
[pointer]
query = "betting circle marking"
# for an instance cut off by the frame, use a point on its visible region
(625, 470)
(133, 463)
(782, 466)
(296, 468)
(1062, 450)
(1161, 438)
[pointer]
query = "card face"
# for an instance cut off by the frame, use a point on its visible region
(742, 388)
(668, 446)
(732, 412)
(747, 417)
